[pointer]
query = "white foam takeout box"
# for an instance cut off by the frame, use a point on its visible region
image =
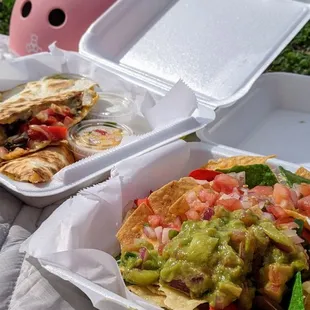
(70, 243)
(218, 48)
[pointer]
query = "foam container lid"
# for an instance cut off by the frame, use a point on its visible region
(219, 48)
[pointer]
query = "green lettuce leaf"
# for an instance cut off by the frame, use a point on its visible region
(255, 175)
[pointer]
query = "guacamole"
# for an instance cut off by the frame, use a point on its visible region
(222, 260)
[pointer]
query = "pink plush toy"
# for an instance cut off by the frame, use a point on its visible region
(35, 24)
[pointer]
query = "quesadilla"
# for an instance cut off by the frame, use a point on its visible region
(38, 113)
(40, 166)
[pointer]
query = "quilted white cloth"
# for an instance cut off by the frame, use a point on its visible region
(24, 285)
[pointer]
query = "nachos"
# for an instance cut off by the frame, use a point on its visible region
(234, 234)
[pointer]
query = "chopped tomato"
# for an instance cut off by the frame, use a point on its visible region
(283, 220)
(43, 132)
(51, 120)
(36, 135)
(224, 183)
(34, 121)
(192, 215)
(176, 224)
(262, 190)
(230, 204)
(304, 189)
(283, 196)
(204, 174)
(209, 196)
(277, 211)
(138, 202)
(101, 131)
(57, 132)
(303, 204)
(155, 220)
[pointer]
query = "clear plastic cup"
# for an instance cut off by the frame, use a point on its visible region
(93, 136)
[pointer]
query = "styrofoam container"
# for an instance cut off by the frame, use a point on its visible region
(82, 259)
(151, 131)
(273, 118)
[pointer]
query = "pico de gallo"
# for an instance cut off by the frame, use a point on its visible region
(238, 239)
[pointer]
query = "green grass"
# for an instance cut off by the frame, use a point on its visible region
(295, 58)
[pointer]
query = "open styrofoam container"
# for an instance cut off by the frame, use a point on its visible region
(272, 118)
(219, 48)
(70, 243)
(152, 128)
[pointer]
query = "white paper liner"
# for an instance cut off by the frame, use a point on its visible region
(73, 237)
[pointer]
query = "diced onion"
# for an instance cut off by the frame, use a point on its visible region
(261, 204)
(293, 235)
(191, 197)
(149, 232)
(165, 235)
(267, 216)
(143, 253)
(240, 176)
(159, 232)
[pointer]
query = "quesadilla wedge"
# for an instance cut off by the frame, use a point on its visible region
(38, 113)
(40, 166)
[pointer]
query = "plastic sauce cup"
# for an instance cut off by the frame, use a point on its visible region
(93, 136)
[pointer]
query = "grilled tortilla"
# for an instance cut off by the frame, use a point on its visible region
(28, 112)
(40, 166)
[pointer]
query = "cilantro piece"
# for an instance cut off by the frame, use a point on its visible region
(292, 178)
(300, 223)
(255, 174)
(297, 299)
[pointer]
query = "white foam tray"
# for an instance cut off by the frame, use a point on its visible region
(96, 168)
(273, 118)
(57, 241)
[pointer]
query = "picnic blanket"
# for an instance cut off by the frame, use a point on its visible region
(24, 284)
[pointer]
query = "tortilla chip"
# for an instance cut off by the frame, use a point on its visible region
(303, 172)
(297, 215)
(149, 296)
(132, 228)
(161, 200)
(155, 290)
(178, 301)
(229, 162)
(181, 206)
